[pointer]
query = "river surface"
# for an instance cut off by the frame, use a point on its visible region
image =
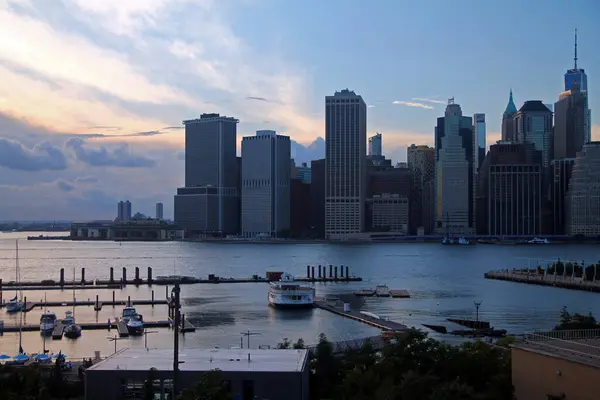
(443, 281)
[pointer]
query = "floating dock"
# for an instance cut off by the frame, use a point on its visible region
(122, 329)
(97, 305)
(88, 326)
(57, 333)
(564, 282)
(400, 294)
(383, 324)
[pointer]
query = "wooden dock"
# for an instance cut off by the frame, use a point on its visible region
(87, 326)
(122, 328)
(31, 305)
(337, 308)
(57, 333)
(564, 282)
(400, 294)
(186, 326)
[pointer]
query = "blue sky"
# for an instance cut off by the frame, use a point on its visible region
(115, 74)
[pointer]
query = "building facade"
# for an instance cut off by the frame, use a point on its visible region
(124, 210)
(479, 136)
(576, 77)
(345, 167)
(533, 124)
(317, 197)
(300, 209)
(454, 172)
(583, 196)
(375, 145)
(570, 129)
(508, 125)
(561, 176)
(159, 211)
(265, 184)
(209, 203)
(421, 163)
(303, 172)
(389, 213)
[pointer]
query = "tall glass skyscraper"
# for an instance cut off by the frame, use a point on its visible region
(577, 77)
(479, 137)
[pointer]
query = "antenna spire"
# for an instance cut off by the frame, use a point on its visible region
(575, 59)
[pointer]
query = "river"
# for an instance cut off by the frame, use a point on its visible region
(443, 281)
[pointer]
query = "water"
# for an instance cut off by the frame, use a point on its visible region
(443, 281)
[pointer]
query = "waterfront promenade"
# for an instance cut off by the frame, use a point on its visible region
(534, 278)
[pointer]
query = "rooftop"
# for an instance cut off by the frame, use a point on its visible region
(580, 346)
(271, 360)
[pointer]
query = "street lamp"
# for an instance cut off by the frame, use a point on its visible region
(248, 334)
(114, 339)
(146, 332)
(477, 305)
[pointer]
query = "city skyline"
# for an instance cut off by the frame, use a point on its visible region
(96, 114)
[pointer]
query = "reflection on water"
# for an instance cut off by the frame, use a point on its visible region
(443, 281)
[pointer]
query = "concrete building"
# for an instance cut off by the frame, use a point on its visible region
(389, 213)
(576, 77)
(248, 373)
(345, 167)
(556, 365)
(421, 163)
(375, 145)
(124, 210)
(455, 171)
(479, 136)
(570, 130)
(583, 196)
(508, 125)
(265, 184)
(209, 202)
(159, 211)
(561, 177)
(303, 172)
(317, 197)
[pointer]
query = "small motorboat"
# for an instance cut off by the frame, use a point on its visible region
(127, 313)
(382, 291)
(47, 322)
(69, 319)
(72, 331)
(14, 306)
(365, 292)
(135, 325)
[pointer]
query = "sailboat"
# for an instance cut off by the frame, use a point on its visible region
(15, 305)
(20, 358)
(72, 330)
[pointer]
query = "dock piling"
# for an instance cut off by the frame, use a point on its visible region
(319, 271)
(124, 275)
(62, 277)
(152, 298)
(341, 271)
(308, 271)
(347, 275)
(0, 290)
(137, 276)
(330, 271)
(313, 273)
(335, 270)
(167, 292)
(128, 301)
(149, 275)
(112, 275)
(82, 276)
(113, 303)
(96, 307)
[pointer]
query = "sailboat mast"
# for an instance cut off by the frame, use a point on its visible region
(73, 294)
(23, 305)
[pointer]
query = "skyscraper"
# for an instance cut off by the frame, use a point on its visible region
(159, 211)
(583, 196)
(421, 163)
(209, 202)
(454, 172)
(576, 77)
(508, 127)
(479, 137)
(265, 184)
(375, 145)
(533, 124)
(345, 167)
(570, 114)
(124, 210)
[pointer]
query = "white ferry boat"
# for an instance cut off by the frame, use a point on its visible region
(286, 293)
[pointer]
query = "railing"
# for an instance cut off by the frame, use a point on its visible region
(573, 334)
(569, 341)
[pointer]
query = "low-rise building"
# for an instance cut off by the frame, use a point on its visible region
(248, 373)
(557, 365)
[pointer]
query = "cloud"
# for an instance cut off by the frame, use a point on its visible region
(313, 151)
(86, 179)
(412, 104)
(120, 156)
(42, 156)
(65, 186)
(426, 100)
(256, 98)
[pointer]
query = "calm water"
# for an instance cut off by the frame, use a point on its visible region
(443, 282)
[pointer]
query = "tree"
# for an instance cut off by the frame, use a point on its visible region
(209, 387)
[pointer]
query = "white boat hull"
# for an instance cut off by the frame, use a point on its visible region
(291, 299)
(46, 327)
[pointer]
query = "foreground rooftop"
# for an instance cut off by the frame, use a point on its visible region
(577, 346)
(257, 360)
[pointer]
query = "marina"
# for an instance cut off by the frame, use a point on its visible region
(362, 317)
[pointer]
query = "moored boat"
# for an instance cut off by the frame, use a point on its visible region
(127, 314)
(286, 293)
(382, 291)
(135, 325)
(47, 322)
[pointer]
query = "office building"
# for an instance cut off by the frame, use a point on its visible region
(454, 172)
(159, 211)
(375, 145)
(389, 213)
(421, 163)
(533, 124)
(265, 184)
(300, 209)
(209, 203)
(561, 176)
(508, 126)
(246, 374)
(479, 137)
(583, 196)
(576, 77)
(345, 167)
(317, 197)
(570, 130)
(124, 210)
(302, 172)
(378, 163)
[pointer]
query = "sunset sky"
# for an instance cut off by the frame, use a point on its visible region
(93, 92)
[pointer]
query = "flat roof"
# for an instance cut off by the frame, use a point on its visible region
(584, 351)
(267, 360)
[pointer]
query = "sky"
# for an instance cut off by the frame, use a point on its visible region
(93, 92)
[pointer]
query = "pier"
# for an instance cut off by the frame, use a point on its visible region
(338, 308)
(532, 277)
(88, 326)
(29, 305)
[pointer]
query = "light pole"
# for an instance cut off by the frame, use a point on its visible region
(146, 332)
(248, 334)
(114, 339)
(477, 304)
(176, 291)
